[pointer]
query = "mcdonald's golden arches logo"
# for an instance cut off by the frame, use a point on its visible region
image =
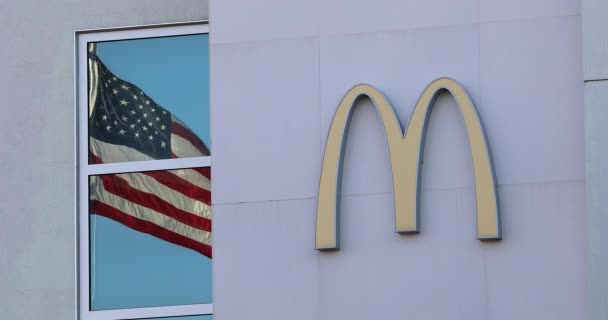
(406, 151)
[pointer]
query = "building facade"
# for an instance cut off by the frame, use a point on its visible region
(535, 71)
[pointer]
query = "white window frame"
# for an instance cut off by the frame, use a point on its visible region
(84, 169)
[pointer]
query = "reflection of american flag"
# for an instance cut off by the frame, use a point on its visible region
(127, 125)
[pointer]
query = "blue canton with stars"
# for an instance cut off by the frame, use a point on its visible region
(125, 115)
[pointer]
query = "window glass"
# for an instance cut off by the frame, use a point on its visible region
(150, 239)
(145, 226)
(148, 99)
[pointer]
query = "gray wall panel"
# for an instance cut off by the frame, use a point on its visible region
(37, 255)
(596, 113)
(595, 39)
(595, 53)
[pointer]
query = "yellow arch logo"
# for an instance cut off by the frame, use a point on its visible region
(406, 151)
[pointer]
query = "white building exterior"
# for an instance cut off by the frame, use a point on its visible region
(535, 69)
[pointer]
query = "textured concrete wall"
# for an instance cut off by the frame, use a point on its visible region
(595, 53)
(37, 192)
(279, 69)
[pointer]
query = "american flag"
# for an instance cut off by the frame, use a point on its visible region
(126, 124)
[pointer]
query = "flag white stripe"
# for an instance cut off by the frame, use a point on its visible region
(110, 153)
(115, 153)
(148, 184)
(193, 177)
(183, 148)
(94, 79)
(98, 192)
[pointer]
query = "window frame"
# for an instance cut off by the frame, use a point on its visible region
(84, 170)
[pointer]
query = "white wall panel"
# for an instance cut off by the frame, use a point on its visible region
(379, 274)
(279, 69)
(361, 16)
(497, 10)
(522, 67)
(532, 95)
(538, 270)
(243, 20)
(265, 120)
(264, 264)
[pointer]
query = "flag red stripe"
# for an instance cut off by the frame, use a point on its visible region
(179, 130)
(175, 182)
(205, 171)
(144, 226)
(93, 159)
(121, 188)
(180, 185)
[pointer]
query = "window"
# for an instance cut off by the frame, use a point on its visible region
(144, 173)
